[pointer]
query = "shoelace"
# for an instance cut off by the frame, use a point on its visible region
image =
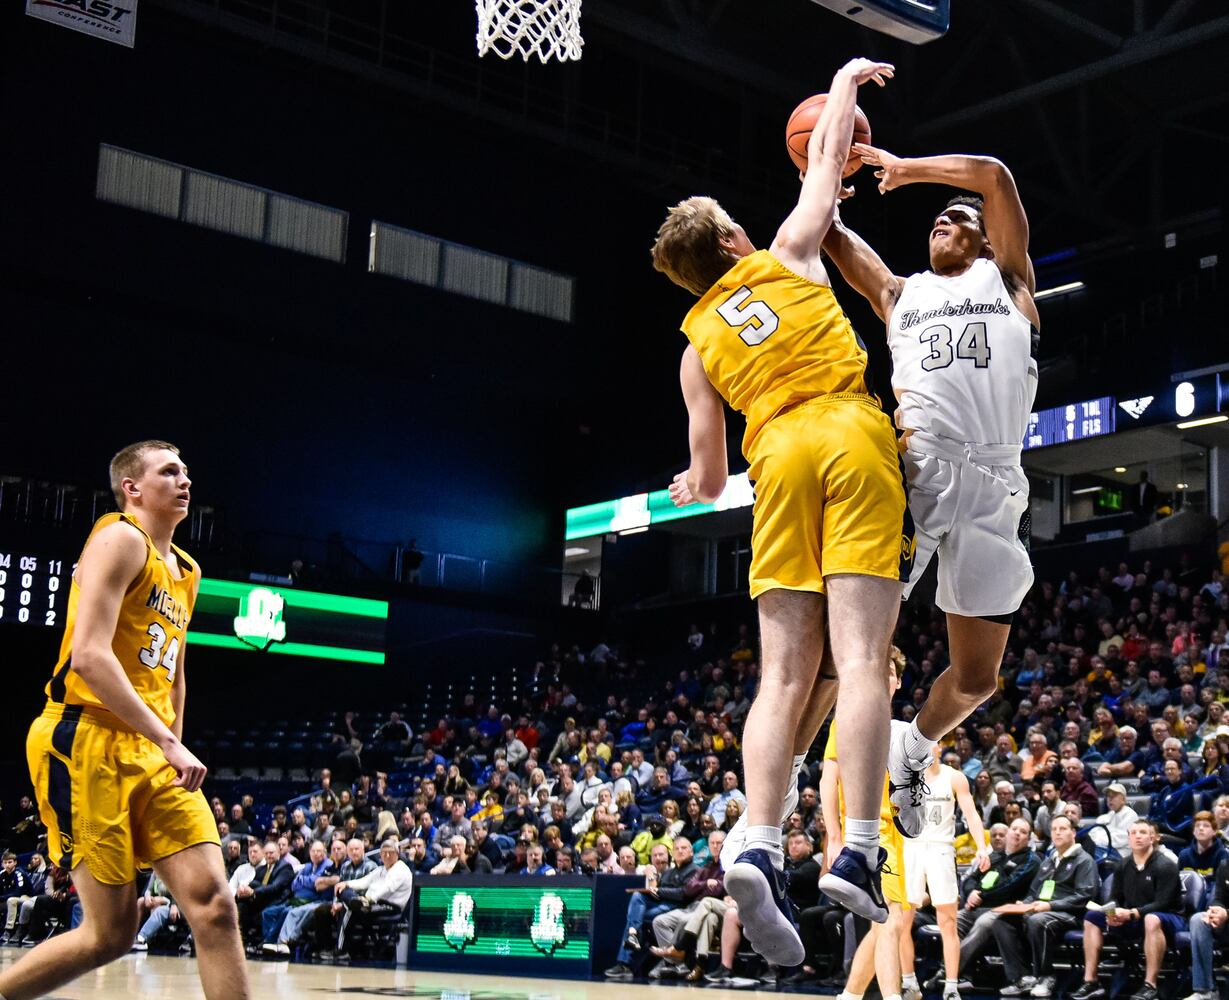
(918, 789)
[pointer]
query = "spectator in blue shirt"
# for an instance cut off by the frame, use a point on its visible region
(1206, 852)
(1154, 777)
(1125, 760)
(535, 862)
(283, 922)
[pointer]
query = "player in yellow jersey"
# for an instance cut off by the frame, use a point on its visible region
(116, 787)
(830, 522)
(878, 954)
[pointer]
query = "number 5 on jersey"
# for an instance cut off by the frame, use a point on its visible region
(150, 656)
(756, 318)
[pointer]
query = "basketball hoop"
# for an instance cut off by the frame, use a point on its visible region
(549, 29)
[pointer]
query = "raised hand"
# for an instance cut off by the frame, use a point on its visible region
(888, 171)
(865, 70)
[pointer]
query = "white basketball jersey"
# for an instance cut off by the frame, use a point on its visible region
(962, 357)
(940, 815)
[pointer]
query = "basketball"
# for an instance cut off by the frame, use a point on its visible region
(802, 121)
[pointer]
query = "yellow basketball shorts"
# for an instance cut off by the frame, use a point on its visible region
(893, 872)
(106, 795)
(829, 496)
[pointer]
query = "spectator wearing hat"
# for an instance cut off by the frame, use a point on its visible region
(1119, 818)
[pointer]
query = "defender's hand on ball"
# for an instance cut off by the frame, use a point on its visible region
(680, 492)
(888, 172)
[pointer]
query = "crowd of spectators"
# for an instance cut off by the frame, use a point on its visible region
(1111, 710)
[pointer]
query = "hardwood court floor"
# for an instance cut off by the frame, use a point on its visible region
(160, 977)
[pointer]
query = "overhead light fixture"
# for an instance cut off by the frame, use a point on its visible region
(568, 553)
(1203, 422)
(1120, 468)
(634, 531)
(1046, 293)
(1086, 489)
(1183, 486)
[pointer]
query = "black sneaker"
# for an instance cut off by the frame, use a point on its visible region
(801, 976)
(633, 939)
(719, 975)
(1090, 991)
(619, 971)
(1145, 992)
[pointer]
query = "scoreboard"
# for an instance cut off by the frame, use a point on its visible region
(33, 588)
(1073, 422)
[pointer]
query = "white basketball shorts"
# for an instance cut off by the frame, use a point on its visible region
(930, 868)
(970, 508)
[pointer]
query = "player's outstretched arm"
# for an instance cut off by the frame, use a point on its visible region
(1006, 222)
(972, 819)
(797, 241)
(705, 478)
(109, 564)
(862, 267)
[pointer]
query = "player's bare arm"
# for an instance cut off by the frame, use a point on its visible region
(705, 477)
(797, 243)
(862, 267)
(972, 819)
(109, 564)
(1006, 222)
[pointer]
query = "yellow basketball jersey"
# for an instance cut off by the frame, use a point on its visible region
(770, 339)
(150, 631)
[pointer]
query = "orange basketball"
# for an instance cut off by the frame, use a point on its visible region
(802, 121)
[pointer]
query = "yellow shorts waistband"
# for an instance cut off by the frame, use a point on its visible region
(97, 716)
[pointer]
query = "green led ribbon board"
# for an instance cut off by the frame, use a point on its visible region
(549, 923)
(264, 618)
(644, 509)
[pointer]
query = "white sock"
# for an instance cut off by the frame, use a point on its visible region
(767, 838)
(951, 985)
(917, 746)
(909, 979)
(863, 836)
(892, 996)
(846, 995)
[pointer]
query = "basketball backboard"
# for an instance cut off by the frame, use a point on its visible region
(915, 21)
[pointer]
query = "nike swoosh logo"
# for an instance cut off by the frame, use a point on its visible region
(1015, 493)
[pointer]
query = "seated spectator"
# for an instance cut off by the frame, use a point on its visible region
(1004, 795)
(1125, 760)
(453, 859)
(380, 894)
(56, 900)
(1149, 904)
(457, 825)
(313, 883)
(1205, 854)
(36, 878)
(1036, 760)
(13, 881)
(1076, 789)
(1154, 779)
(658, 896)
(659, 790)
(1173, 805)
(1119, 818)
(535, 862)
(244, 874)
(270, 885)
(1008, 880)
(1209, 928)
(159, 913)
(683, 934)
(419, 858)
(1065, 882)
(1051, 805)
(730, 792)
(484, 845)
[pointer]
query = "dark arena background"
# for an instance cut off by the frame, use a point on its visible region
(395, 305)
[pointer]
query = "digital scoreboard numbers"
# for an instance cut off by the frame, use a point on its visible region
(33, 589)
(1073, 422)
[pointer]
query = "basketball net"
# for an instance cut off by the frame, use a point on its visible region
(549, 29)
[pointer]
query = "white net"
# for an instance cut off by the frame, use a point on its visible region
(548, 29)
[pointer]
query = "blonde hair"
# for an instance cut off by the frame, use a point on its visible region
(688, 248)
(129, 463)
(897, 659)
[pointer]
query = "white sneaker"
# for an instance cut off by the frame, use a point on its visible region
(275, 949)
(140, 944)
(736, 839)
(1210, 995)
(1045, 986)
(1021, 989)
(906, 783)
(910, 993)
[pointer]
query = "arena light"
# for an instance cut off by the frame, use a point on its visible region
(1184, 486)
(1086, 489)
(1202, 422)
(1120, 468)
(1047, 293)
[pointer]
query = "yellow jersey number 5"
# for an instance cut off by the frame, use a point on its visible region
(754, 320)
